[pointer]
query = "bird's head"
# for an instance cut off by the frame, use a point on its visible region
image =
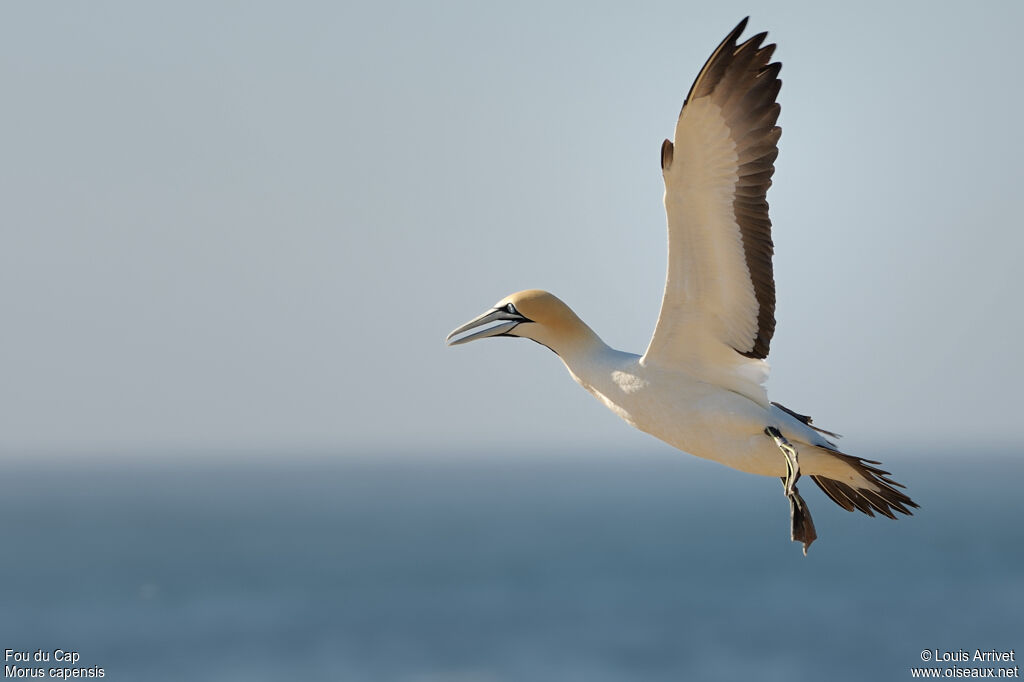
(531, 314)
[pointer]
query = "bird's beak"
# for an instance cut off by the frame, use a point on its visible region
(500, 320)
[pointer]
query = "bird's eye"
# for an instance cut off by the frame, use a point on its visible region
(510, 309)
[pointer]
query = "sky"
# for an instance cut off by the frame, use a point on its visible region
(240, 227)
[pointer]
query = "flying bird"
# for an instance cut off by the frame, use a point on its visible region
(700, 384)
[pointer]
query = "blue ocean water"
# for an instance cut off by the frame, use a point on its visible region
(425, 568)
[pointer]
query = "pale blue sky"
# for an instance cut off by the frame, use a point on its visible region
(238, 226)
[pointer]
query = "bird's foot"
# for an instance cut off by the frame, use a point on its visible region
(801, 527)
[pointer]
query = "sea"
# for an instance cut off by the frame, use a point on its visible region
(646, 566)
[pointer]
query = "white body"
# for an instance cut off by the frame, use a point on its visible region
(701, 418)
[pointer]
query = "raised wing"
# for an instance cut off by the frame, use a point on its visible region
(720, 292)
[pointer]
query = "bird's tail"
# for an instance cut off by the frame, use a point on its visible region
(885, 498)
(865, 487)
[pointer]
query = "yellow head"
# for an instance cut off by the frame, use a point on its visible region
(531, 314)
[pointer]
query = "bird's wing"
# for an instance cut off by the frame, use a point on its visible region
(718, 311)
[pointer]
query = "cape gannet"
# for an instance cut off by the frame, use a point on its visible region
(700, 384)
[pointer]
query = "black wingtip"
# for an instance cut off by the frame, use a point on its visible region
(734, 36)
(728, 45)
(757, 39)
